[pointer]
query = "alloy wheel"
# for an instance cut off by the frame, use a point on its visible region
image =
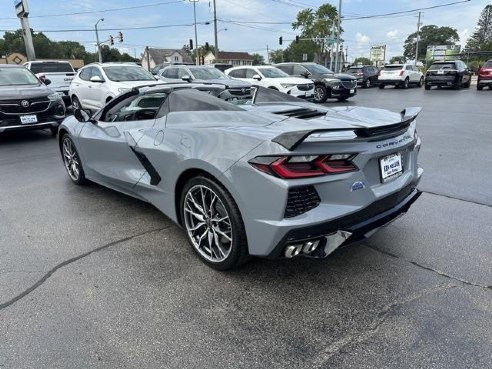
(71, 159)
(320, 94)
(208, 223)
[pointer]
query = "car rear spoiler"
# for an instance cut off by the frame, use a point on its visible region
(290, 140)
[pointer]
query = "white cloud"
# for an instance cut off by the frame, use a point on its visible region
(392, 34)
(362, 39)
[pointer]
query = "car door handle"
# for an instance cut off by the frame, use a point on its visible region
(90, 86)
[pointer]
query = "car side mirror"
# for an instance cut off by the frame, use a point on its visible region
(46, 81)
(306, 74)
(97, 79)
(257, 77)
(186, 78)
(82, 115)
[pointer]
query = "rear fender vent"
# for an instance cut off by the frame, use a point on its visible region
(301, 200)
(302, 113)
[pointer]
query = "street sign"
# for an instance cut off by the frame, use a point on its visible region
(378, 54)
(304, 57)
(21, 8)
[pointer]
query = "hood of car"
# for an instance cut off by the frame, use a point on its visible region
(291, 80)
(340, 76)
(23, 92)
(131, 84)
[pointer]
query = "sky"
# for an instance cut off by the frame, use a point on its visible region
(235, 33)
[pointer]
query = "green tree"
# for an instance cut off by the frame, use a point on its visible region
(429, 35)
(276, 56)
(317, 25)
(363, 61)
(481, 40)
(296, 50)
(258, 59)
(398, 59)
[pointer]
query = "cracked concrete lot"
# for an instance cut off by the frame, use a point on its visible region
(91, 278)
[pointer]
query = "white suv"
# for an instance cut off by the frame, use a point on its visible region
(272, 77)
(400, 75)
(96, 84)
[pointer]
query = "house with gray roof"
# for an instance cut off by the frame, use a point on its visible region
(164, 57)
(234, 58)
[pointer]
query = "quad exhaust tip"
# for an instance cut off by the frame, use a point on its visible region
(306, 248)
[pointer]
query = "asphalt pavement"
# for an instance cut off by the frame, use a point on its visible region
(90, 278)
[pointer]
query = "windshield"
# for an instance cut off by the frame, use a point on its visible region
(442, 66)
(273, 73)
(17, 76)
(122, 73)
(208, 73)
(488, 64)
(51, 68)
(316, 68)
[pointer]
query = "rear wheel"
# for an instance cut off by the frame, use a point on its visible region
(367, 83)
(381, 86)
(427, 87)
(467, 84)
(72, 162)
(421, 82)
(405, 83)
(458, 84)
(320, 93)
(479, 87)
(213, 223)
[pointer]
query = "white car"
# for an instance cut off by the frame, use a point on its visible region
(96, 84)
(400, 75)
(272, 77)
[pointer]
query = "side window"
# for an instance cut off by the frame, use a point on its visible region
(182, 72)
(170, 73)
(96, 72)
(250, 73)
(85, 74)
(139, 107)
(238, 73)
(299, 70)
(408, 67)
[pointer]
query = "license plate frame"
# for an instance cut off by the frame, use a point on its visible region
(352, 90)
(29, 119)
(390, 167)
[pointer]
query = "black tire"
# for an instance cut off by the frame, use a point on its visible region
(381, 86)
(366, 83)
(427, 87)
(406, 82)
(320, 93)
(77, 179)
(467, 84)
(421, 82)
(238, 253)
(458, 84)
(479, 87)
(76, 103)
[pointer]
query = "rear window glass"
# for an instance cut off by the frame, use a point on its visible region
(488, 64)
(51, 68)
(437, 66)
(393, 67)
(355, 70)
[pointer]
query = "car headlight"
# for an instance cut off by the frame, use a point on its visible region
(57, 96)
(287, 85)
(123, 90)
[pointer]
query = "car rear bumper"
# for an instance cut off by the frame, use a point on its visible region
(353, 227)
(28, 127)
(394, 82)
(441, 82)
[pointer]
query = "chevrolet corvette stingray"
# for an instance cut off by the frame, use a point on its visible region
(273, 177)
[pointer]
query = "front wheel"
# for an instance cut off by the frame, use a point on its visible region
(367, 83)
(405, 83)
(213, 224)
(320, 94)
(72, 162)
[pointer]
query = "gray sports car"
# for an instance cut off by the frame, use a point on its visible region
(278, 177)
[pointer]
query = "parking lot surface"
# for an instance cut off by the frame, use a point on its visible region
(90, 278)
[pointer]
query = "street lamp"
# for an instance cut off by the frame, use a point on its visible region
(196, 37)
(97, 40)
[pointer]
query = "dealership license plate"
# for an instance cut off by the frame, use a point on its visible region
(28, 119)
(391, 166)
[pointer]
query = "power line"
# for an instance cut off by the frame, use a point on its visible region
(102, 10)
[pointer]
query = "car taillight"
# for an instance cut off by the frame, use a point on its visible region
(291, 167)
(401, 72)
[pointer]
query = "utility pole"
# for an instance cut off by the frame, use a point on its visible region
(197, 57)
(346, 55)
(22, 11)
(148, 57)
(337, 51)
(215, 32)
(418, 39)
(97, 40)
(268, 55)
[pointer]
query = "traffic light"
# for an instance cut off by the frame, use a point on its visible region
(280, 40)
(207, 46)
(297, 39)
(111, 40)
(191, 44)
(120, 36)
